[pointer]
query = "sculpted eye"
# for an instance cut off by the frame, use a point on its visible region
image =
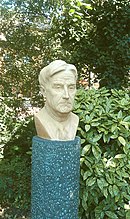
(58, 86)
(72, 87)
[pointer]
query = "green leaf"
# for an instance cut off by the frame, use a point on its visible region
(88, 164)
(110, 189)
(126, 148)
(97, 138)
(111, 214)
(119, 115)
(119, 156)
(88, 6)
(117, 197)
(85, 196)
(102, 183)
(95, 124)
(84, 204)
(99, 171)
(88, 118)
(96, 151)
(82, 141)
(115, 190)
(126, 124)
(86, 175)
(114, 127)
(126, 119)
(122, 140)
(125, 175)
(90, 181)
(79, 3)
(106, 138)
(114, 135)
(16, 148)
(85, 149)
(108, 178)
(29, 152)
(128, 214)
(105, 192)
(99, 212)
(124, 102)
(87, 127)
(90, 106)
(126, 196)
(72, 10)
(82, 171)
(108, 107)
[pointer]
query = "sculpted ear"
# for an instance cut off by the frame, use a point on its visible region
(43, 91)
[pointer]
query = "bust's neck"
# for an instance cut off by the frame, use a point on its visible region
(59, 117)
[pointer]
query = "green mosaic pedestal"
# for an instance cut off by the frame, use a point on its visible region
(55, 178)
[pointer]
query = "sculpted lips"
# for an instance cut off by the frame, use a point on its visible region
(65, 103)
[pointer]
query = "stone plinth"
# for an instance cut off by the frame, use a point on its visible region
(55, 178)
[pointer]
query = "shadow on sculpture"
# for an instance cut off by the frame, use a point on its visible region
(56, 149)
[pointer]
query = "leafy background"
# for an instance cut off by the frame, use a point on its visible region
(105, 136)
(105, 143)
(94, 36)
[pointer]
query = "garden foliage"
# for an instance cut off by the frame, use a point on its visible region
(16, 130)
(95, 35)
(105, 153)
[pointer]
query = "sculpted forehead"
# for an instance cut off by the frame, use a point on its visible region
(54, 68)
(64, 76)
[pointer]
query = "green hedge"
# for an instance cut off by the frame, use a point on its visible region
(105, 156)
(16, 133)
(105, 137)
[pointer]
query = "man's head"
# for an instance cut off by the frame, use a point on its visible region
(54, 68)
(58, 84)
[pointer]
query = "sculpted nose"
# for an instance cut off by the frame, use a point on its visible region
(66, 93)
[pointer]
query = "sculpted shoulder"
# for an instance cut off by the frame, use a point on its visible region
(75, 118)
(41, 125)
(48, 128)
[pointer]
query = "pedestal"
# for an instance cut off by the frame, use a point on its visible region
(55, 178)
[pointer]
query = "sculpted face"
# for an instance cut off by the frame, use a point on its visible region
(60, 92)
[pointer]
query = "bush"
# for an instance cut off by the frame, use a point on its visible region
(105, 140)
(95, 37)
(17, 130)
(105, 143)
(15, 182)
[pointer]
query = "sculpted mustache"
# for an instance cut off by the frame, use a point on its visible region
(65, 103)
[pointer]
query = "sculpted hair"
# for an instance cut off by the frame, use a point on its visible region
(54, 68)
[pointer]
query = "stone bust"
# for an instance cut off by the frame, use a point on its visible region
(58, 86)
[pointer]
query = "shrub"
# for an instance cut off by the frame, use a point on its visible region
(15, 182)
(105, 143)
(17, 130)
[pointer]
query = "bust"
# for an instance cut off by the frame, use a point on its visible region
(58, 86)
